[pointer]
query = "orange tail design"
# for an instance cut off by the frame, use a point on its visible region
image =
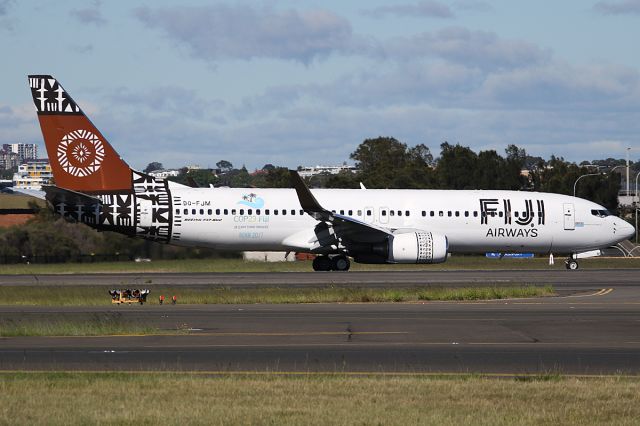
(81, 158)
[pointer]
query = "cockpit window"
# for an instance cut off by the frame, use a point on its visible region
(601, 213)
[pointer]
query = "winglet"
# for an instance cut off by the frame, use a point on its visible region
(307, 201)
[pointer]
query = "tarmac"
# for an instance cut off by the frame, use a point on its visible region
(592, 328)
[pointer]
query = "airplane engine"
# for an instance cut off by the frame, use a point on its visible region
(418, 247)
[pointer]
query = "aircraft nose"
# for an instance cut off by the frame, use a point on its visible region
(627, 230)
(623, 229)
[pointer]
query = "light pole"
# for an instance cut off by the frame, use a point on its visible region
(635, 194)
(580, 177)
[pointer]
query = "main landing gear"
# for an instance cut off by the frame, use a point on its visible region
(334, 263)
(571, 263)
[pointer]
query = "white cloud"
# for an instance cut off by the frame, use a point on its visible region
(624, 7)
(218, 32)
(90, 14)
(424, 8)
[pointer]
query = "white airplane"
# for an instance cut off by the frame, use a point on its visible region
(95, 186)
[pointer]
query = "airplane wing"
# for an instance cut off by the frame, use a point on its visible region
(346, 229)
(365, 242)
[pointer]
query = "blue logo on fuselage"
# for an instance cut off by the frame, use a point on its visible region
(252, 200)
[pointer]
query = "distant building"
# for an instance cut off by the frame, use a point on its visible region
(25, 151)
(316, 170)
(268, 256)
(163, 174)
(8, 159)
(33, 174)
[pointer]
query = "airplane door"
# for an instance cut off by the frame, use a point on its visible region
(384, 215)
(569, 216)
(368, 214)
(144, 212)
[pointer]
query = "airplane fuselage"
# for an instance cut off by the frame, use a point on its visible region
(472, 221)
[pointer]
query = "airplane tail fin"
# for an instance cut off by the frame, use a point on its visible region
(81, 158)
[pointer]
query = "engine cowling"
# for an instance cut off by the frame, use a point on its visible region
(418, 247)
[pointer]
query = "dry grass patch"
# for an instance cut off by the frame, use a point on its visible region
(165, 398)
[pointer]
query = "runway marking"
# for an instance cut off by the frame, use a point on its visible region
(433, 374)
(172, 334)
(601, 292)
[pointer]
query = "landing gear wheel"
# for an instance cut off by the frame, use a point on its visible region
(571, 264)
(340, 263)
(322, 263)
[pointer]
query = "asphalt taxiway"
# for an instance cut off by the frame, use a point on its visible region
(593, 328)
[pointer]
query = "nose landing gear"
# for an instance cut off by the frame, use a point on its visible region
(571, 263)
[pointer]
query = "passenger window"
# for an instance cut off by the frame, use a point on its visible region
(466, 213)
(226, 212)
(384, 212)
(293, 212)
(186, 211)
(441, 213)
(209, 212)
(500, 214)
(399, 212)
(250, 211)
(424, 213)
(178, 211)
(233, 211)
(301, 212)
(218, 212)
(449, 213)
(457, 213)
(284, 212)
(193, 211)
(406, 213)
(333, 211)
(241, 211)
(516, 214)
(475, 214)
(266, 212)
(368, 212)
(359, 212)
(350, 212)
(342, 212)
(258, 211)
(275, 212)
(432, 213)
(392, 213)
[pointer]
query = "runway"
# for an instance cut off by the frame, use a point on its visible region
(593, 329)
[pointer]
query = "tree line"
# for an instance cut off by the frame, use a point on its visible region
(385, 162)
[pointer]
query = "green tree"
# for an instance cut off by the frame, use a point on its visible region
(456, 167)
(224, 166)
(153, 166)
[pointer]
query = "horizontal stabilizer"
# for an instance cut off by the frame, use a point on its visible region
(56, 195)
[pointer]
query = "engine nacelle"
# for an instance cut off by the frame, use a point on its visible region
(418, 247)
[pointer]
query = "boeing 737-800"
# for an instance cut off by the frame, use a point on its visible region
(93, 185)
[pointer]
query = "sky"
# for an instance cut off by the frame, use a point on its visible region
(305, 82)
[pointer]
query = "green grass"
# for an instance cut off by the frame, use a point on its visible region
(98, 296)
(178, 399)
(96, 327)
(238, 265)
(18, 201)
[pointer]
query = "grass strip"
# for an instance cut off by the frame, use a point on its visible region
(105, 325)
(169, 398)
(98, 296)
(239, 265)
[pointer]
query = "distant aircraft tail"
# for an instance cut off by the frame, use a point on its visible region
(81, 158)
